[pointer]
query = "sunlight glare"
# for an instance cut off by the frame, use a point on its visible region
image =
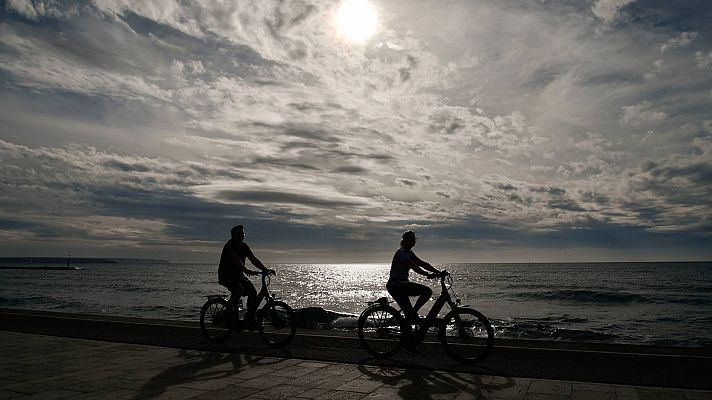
(356, 20)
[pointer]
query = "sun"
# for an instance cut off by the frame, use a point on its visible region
(356, 20)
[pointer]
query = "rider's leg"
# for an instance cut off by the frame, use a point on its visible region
(400, 295)
(235, 291)
(396, 291)
(251, 293)
(423, 292)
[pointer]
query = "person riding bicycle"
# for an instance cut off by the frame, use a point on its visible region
(400, 288)
(232, 271)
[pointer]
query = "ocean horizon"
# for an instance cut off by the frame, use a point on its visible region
(658, 303)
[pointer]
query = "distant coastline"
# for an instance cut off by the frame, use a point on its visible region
(79, 260)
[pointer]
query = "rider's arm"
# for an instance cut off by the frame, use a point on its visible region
(422, 264)
(256, 262)
(417, 269)
(238, 263)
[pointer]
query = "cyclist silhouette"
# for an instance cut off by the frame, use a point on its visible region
(400, 288)
(232, 271)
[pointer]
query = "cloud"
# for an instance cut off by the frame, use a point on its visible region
(24, 8)
(707, 124)
(641, 114)
(36, 9)
(36, 65)
(531, 118)
(609, 10)
(278, 197)
(683, 40)
(703, 61)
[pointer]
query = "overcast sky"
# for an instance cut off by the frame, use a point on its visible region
(498, 130)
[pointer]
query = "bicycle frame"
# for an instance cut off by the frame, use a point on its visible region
(264, 292)
(262, 295)
(274, 319)
(465, 334)
(435, 310)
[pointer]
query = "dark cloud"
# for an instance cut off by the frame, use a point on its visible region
(675, 183)
(545, 75)
(407, 182)
(593, 197)
(300, 131)
(351, 169)
(191, 218)
(516, 198)
(405, 72)
(446, 123)
(221, 55)
(566, 204)
(612, 78)
(120, 165)
(270, 196)
(17, 224)
(552, 190)
(503, 186)
(698, 173)
(278, 162)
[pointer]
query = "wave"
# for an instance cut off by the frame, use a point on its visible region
(690, 300)
(32, 300)
(585, 296)
(318, 317)
(581, 335)
(566, 318)
(133, 288)
(39, 302)
(550, 329)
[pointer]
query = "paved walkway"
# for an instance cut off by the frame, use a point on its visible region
(49, 367)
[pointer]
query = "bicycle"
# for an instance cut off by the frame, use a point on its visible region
(465, 334)
(275, 319)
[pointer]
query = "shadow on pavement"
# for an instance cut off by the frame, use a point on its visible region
(201, 366)
(428, 384)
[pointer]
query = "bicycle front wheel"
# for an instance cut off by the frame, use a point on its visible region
(214, 320)
(379, 330)
(276, 323)
(466, 335)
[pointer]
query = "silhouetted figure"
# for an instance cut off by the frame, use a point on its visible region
(232, 271)
(398, 284)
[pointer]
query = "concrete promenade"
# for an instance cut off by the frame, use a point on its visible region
(61, 356)
(48, 367)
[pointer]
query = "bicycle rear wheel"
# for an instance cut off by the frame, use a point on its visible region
(214, 320)
(276, 323)
(466, 335)
(379, 330)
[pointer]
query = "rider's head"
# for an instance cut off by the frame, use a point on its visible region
(238, 233)
(408, 240)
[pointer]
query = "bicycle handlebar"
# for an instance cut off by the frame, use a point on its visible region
(442, 274)
(266, 272)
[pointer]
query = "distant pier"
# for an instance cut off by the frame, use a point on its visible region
(52, 268)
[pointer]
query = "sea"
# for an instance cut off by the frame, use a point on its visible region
(636, 303)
